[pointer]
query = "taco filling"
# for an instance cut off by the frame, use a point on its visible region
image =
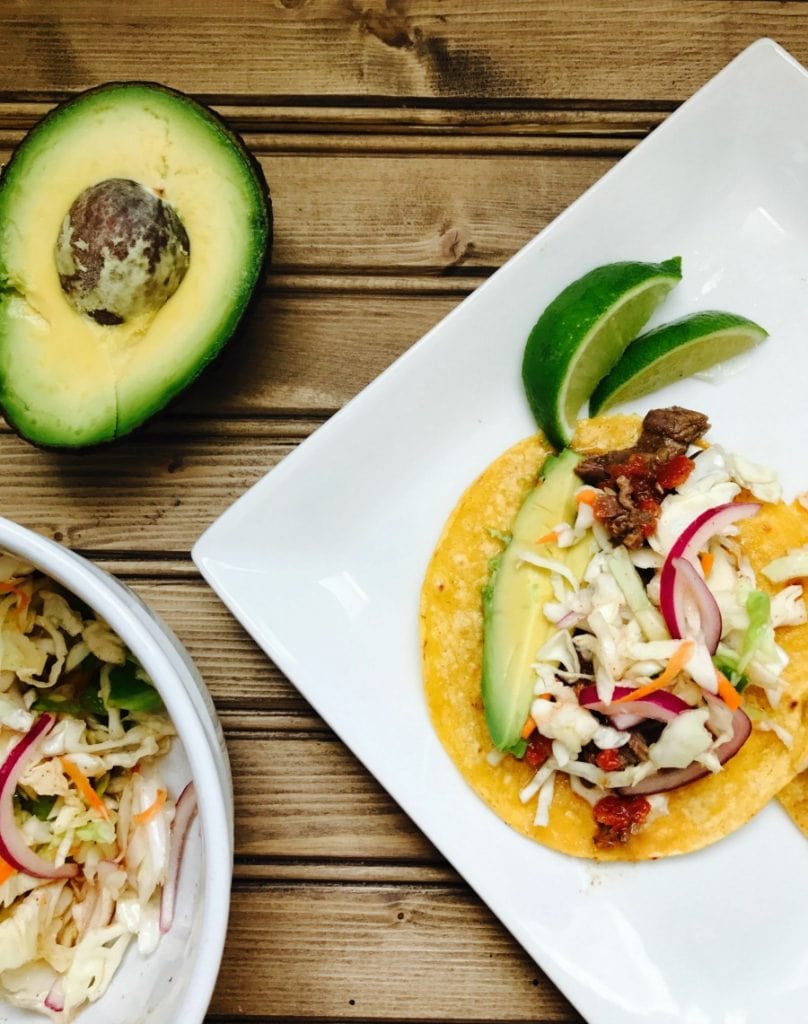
(635, 699)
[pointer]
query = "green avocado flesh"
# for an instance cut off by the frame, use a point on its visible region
(514, 626)
(67, 379)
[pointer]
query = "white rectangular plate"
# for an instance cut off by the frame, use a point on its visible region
(322, 560)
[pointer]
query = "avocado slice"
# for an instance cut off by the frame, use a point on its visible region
(134, 228)
(514, 626)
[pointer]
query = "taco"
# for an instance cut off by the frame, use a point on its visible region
(603, 660)
(794, 798)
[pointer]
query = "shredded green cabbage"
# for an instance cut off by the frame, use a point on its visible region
(791, 566)
(93, 796)
(758, 608)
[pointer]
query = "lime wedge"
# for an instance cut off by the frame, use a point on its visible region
(582, 334)
(673, 351)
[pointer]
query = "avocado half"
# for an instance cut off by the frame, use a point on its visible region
(72, 375)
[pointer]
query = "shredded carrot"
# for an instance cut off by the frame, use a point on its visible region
(159, 803)
(727, 692)
(707, 559)
(82, 784)
(586, 497)
(528, 728)
(548, 538)
(23, 600)
(6, 871)
(672, 670)
(10, 588)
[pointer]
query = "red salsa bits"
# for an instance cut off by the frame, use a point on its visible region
(617, 818)
(673, 474)
(609, 760)
(538, 750)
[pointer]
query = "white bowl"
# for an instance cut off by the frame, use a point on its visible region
(175, 983)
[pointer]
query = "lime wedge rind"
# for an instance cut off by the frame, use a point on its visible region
(582, 334)
(673, 351)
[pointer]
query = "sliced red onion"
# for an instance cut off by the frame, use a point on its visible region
(13, 848)
(661, 706)
(184, 814)
(682, 585)
(694, 538)
(676, 583)
(568, 620)
(673, 778)
(55, 999)
(625, 719)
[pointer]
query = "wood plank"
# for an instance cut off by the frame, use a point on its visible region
(418, 212)
(250, 692)
(303, 720)
(376, 48)
(152, 494)
(302, 353)
(370, 952)
(310, 798)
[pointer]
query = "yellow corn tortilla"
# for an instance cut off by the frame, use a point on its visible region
(451, 624)
(794, 798)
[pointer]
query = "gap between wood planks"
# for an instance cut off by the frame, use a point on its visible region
(570, 1017)
(406, 113)
(251, 871)
(590, 128)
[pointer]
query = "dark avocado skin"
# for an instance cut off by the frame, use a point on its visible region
(265, 227)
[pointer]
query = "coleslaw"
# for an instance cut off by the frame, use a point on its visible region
(90, 837)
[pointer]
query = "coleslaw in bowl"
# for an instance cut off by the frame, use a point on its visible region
(108, 744)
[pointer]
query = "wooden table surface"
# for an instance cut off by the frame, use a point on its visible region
(411, 147)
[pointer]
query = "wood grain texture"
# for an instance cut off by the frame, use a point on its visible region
(372, 952)
(334, 871)
(308, 798)
(309, 353)
(417, 213)
(623, 50)
(153, 494)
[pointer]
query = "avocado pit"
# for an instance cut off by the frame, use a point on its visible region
(121, 251)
